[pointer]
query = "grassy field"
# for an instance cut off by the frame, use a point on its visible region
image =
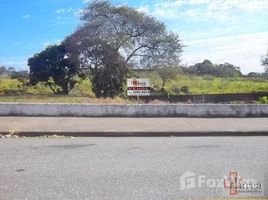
(82, 92)
(63, 99)
(210, 85)
(82, 89)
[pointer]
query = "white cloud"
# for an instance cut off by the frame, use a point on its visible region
(60, 11)
(200, 10)
(167, 14)
(26, 16)
(244, 50)
(78, 12)
(45, 44)
(198, 14)
(144, 9)
(86, 1)
(63, 11)
(246, 5)
(169, 4)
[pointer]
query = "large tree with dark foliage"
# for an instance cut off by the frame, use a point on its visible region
(219, 70)
(135, 35)
(204, 68)
(264, 62)
(138, 39)
(54, 67)
(107, 81)
(228, 70)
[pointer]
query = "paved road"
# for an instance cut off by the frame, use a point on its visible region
(126, 168)
(132, 126)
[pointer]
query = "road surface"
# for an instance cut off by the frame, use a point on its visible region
(126, 168)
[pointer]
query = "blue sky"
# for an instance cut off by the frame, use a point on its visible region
(234, 31)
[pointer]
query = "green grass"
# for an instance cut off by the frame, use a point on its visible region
(210, 85)
(82, 92)
(9, 84)
(62, 99)
(81, 89)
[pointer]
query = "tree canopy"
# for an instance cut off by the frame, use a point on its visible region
(166, 74)
(219, 70)
(7, 71)
(140, 39)
(114, 38)
(264, 62)
(54, 67)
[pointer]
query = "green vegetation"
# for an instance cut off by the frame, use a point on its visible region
(208, 68)
(13, 86)
(213, 85)
(196, 85)
(62, 99)
(206, 84)
(263, 100)
(111, 43)
(54, 68)
(264, 62)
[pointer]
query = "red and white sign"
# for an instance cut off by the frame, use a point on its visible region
(138, 87)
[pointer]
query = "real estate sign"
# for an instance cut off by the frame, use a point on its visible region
(138, 87)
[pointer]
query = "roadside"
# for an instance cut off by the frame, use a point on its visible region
(131, 127)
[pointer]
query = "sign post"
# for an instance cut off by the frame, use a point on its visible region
(138, 87)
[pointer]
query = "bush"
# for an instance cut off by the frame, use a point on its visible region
(13, 92)
(185, 89)
(263, 100)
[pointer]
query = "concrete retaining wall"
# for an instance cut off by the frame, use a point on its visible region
(139, 110)
(205, 98)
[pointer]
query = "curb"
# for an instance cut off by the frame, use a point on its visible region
(139, 134)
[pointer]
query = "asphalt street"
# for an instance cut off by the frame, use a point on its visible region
(128, 168)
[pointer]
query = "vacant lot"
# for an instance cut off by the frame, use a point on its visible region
(82, 93)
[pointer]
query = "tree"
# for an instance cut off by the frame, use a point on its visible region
(228, 70)
(264, 62)
(107, 68)
(7, 71)
(166, 74)
(22, 77)
(54, 67)
(108, 80)
(208, 68)
(185, 89)
(204, 68)
(140, 40)
(131, 33)
(3, 71)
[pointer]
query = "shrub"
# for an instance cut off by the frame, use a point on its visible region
(263, 100)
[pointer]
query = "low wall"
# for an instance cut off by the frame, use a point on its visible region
(136, 110)
(205, 98)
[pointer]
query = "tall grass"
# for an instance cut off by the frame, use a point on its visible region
(196, 84)
(211, 85)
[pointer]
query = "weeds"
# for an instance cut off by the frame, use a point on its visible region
(263, 100)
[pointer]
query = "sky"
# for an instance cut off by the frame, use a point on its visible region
(233, 31)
